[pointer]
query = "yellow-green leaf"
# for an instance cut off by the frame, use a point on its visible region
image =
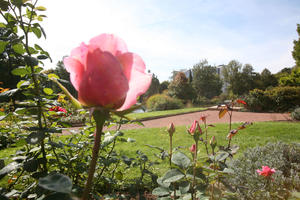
(51, 76)
(222, 113)
(40, 8)
(48, 91)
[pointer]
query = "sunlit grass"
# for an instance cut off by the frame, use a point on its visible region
(140, 116)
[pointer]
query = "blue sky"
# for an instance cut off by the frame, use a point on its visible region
(171, 34)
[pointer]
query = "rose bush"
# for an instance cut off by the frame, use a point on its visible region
(105, 74)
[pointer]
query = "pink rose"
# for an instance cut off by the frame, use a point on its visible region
(266, 171)
(195, 128)
(105, 74)
(193, 148)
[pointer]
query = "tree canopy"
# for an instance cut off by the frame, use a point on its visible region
(206, 81)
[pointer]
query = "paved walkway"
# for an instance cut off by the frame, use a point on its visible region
(213, 117)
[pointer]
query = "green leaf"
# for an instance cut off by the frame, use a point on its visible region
(30, 165)
(10, 167)
(181, 160)
(42, 57)
(161, 183)
(40, 8)
(48, 91)
(38, 47)
(35, 137)
(2, 25)
(57, 196)
(20, 71)
(2, 45)
(161, 191)
(172, 176)
(184, 187)
(17, 3)
(19, 48)
(56, 183)
(20, 110)
(222, 156)
(31, 61)
(23, 83)
(4, 5)
(37, 32)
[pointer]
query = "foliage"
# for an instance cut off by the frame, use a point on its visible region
(267, 79)
(206, 81)
(163, 86)
(181, 88)
(285, 158)
(153, 89)
(277, 99)
(296, 114)
(240, 78)
(296, 50)
(163, 102)
(292, 79)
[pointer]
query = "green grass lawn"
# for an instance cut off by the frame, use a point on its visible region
(140, 116)
(258, 134)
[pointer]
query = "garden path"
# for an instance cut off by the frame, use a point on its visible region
(187, 119)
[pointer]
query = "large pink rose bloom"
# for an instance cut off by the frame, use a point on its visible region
(105, 74)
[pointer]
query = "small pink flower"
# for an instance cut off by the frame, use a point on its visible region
(266, 171)
(193, 148)
(195, 128)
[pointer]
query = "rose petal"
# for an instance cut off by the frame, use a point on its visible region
(111, 43)
(139, 81)
(104, 82)
(76, 69)
(80, 53)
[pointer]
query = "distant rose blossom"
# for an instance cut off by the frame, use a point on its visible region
(266, 171)
(193, 148)
(195, 128)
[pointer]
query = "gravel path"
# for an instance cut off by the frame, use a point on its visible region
(187, 119)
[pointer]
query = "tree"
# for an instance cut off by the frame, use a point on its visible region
(296, 51)
(267, 79)
(153, 89)
(240, 79)
(180, 88)
(206, 81)
(231, 75)
(163, 86)
(292, 79)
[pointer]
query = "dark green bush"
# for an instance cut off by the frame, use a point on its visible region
(277, 99)
(163, 102)
(296, 114)
(284, 158)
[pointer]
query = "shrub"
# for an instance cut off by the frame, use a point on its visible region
(296, 114)
(285, 158)
(163, 102)
(277, 99)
